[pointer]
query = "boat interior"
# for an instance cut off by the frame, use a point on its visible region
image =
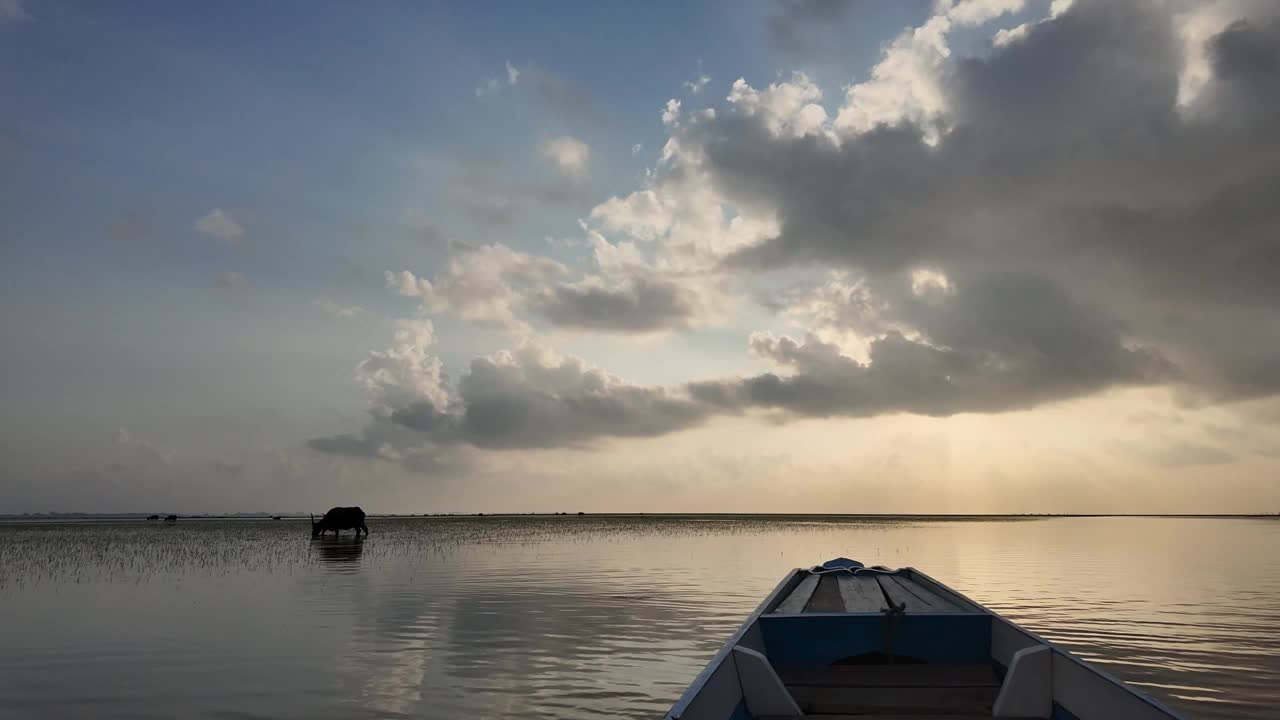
(871, 643)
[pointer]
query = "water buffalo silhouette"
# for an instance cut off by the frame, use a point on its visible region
(171, 518)
(339, 519)
(153, 517)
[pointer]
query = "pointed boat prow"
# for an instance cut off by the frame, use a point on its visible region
(846, 641)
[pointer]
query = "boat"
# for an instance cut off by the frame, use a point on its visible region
(845, 641)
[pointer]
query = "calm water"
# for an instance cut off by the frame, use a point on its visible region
(575, 617)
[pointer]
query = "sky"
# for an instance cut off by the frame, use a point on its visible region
(944, 256)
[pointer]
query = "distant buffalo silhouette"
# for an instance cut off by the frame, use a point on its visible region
(339, 519)
(171, 518)
(153, 517)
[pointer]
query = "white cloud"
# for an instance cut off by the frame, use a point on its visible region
(513, 74)
(406, 373)
(336, 310)
(484, 284)
(788, 109)
(671, 112)
(570, 156)
(635, 149)
(906, 85)
(220, 225)
(1005, 36)
(696, 85)
(1196, 25)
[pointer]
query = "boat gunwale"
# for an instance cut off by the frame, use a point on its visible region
(718, 659)
(1060, 651)
(776, 596)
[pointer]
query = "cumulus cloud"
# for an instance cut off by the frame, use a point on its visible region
(787, 109)
(220, 225)
(569, 156)
(907, 85)
(534, 397)
(495, 285)
(485, 284)
(638, 304)
(998, 240)
(529, 397)
(1005, 343)
(1103, 181)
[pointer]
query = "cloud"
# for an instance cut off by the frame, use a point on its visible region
(989, 241)
(571, 157)
(220, 225)
(1007, 343)
(696, 85)
(533, 397)
(12, 11)
(787, 109)
(338, 311)
(232, 280)
(405, 374)
(494, 84)
(1104, 182)
(636, 305)
(907, 85)
(529, 397)
(498, 286)
(490, 86)
(484, 284)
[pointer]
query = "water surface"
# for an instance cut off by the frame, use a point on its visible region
(579, 617)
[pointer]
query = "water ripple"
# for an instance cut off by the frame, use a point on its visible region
(577, 617)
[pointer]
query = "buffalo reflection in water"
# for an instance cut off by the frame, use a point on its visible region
(341, 552)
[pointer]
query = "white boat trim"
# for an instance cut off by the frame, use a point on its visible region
(1039, 677)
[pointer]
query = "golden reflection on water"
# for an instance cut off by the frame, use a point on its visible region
(574, 617)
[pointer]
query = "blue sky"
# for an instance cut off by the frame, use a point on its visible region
(208, 212)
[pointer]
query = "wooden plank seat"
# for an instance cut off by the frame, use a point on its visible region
(840, 592)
